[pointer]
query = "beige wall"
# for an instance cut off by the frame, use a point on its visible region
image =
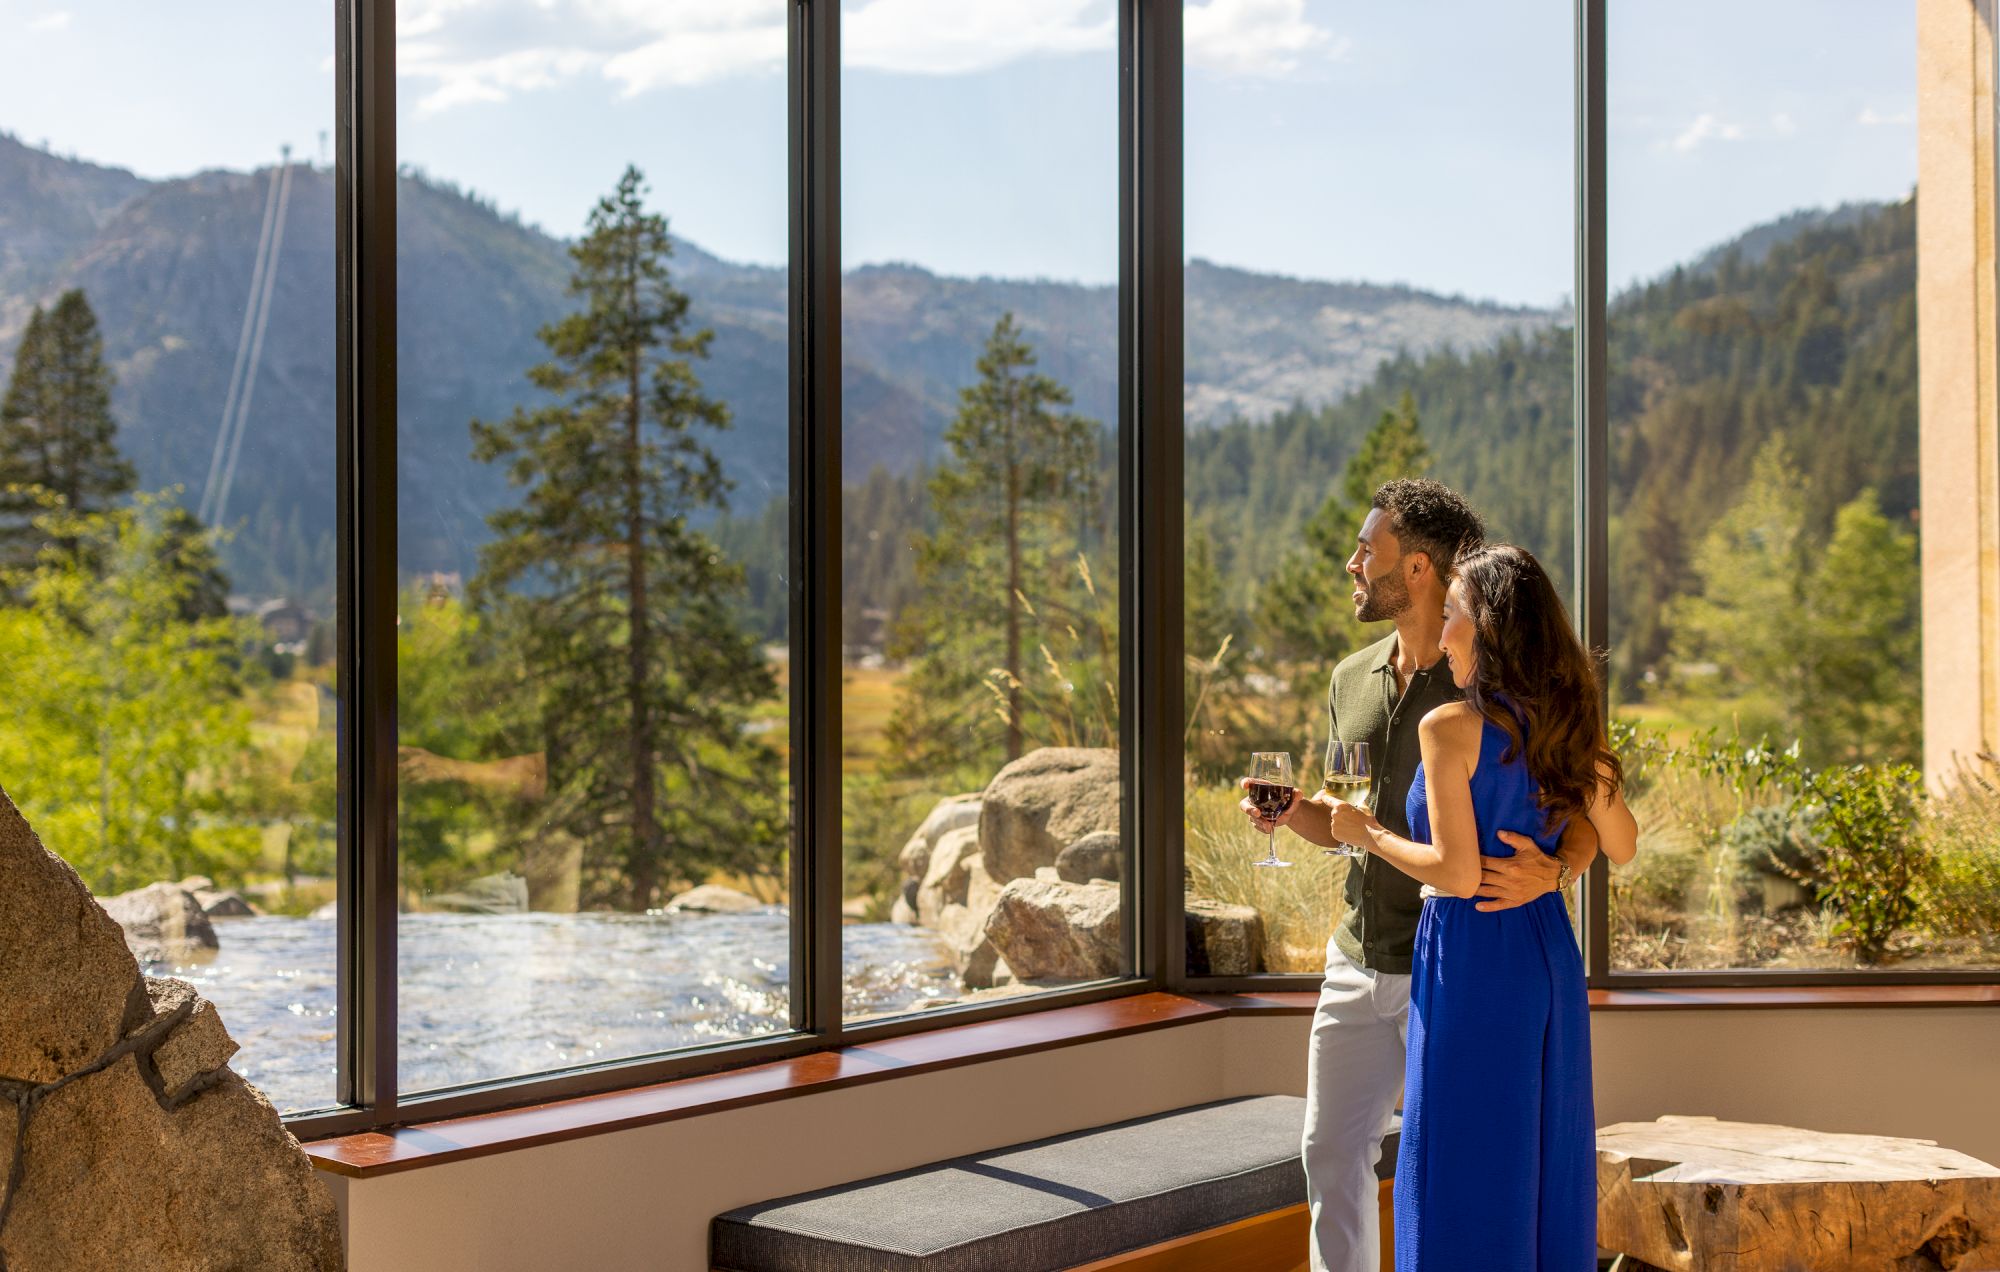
(1956, 355)
(642, 1198)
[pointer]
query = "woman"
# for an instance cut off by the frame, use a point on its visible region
(1497, 1166)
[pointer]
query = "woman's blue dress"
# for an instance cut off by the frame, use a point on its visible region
(1497, 1169)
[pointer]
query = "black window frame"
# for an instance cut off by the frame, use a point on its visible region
(1149, 474)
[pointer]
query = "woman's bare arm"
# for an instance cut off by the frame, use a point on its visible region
(1449, 740)
(1617, 829)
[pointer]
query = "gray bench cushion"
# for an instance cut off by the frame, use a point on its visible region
(1054, 1203)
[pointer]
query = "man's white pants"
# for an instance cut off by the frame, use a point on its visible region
(1354, 1077)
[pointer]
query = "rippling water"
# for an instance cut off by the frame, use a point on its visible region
(492, 996)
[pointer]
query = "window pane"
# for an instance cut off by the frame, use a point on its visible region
(981, 788)
(167, 338)
(592, 455)
(1378, 229)
(1765, 493)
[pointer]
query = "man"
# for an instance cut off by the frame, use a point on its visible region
(1401, 565)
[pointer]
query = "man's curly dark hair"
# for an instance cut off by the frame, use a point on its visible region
(1430, 517)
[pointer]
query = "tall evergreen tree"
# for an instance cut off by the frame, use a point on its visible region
(1825, 634)
(57, 437)
(184, 552)
(1303, 613)
(628, 612)
(1014, 499)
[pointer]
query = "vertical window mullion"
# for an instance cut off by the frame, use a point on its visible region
(366, 475)
(1592, 538)
(1150, 457)
(814, 71)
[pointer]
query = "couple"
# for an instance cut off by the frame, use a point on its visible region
(1454, 977)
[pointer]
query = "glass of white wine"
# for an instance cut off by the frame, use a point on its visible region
(1348, 776)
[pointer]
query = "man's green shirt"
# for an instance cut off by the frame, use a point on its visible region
(1383, 903)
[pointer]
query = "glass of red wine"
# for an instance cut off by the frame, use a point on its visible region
(1272, 789)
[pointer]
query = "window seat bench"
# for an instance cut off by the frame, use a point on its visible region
(1205, 1186)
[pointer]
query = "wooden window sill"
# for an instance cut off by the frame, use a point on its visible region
(372, 1153)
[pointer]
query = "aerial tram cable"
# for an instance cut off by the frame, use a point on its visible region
(242, 346)
(256, 344)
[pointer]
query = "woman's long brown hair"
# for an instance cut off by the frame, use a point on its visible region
(1531, 661)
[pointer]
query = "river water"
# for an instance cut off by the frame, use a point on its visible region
(481, 997)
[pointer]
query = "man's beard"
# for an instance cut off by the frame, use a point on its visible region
(1383, 598)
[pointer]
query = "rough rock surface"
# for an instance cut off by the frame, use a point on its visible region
(1042, 803)
(69, 989)
(946, 881)
(713, 898)
(954, 812)
(130, 1144)
(163, 924)
(1051, 929)
(1098, 855)
(1223, 940)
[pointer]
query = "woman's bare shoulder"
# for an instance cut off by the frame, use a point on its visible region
(1453, 724)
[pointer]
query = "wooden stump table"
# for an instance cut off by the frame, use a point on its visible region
(1692, 1194)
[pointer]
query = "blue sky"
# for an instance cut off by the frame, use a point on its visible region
(1394, 143)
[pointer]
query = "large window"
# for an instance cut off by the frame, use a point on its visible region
(1765, 580)
(981, 796)
(1380, 266)
(592, 630)
(700, 310)
(167, 621)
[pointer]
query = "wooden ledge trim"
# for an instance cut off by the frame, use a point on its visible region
(1741, 996)
(372, 1153)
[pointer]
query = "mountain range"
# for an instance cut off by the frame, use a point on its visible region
(168, 267)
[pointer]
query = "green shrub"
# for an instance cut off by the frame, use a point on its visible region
(1962, 897)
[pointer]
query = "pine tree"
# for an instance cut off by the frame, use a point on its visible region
(1860, 642)
(1014, 501)
(628, 612)
(57, 437)
(1303, 613)
(184, 553)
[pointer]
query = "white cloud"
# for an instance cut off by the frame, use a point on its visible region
(921, 37)
(467, 51)
(1704, 129)
(1871, 118)
(458, 52)
(1256, 37)
(1783, 125)
(55, 21)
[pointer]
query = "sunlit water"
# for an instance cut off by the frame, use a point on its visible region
(492, 996)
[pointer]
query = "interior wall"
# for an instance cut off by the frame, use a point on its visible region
(641, 1199)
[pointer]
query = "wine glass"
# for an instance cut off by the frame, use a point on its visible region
(1348, 773)
(1272, 789)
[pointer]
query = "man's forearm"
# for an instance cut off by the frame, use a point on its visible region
(1313, 822)
(1578, 849)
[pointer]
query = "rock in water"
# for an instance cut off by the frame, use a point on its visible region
(163, 923)
(141, 1149)
(713, 898)
(218, 903)
(1044, 802)
(503, 893)
(1047, 929)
